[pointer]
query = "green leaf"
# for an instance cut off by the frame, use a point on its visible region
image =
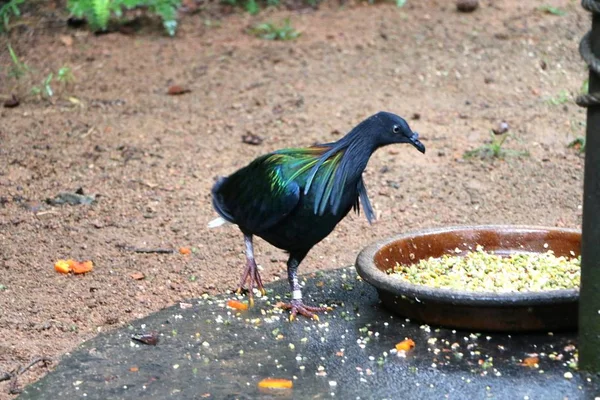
(269, 31)
(170, 26)
(47, 86)
(252, 7)
(552, 10)
(400, 3)
(101, 14)
(578, 143)
(18, 68)
(585, 87)
(11, 7)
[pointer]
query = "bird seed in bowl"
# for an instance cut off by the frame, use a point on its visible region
(482, 271)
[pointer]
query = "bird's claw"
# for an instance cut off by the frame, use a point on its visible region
(296, 307)
(251, 275)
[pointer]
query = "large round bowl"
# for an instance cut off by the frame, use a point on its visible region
(550, 310)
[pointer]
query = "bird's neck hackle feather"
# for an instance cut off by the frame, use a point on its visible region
(351, 154)
(341, 163)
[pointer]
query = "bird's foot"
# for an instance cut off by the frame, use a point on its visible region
(251, 275)
(297, 306)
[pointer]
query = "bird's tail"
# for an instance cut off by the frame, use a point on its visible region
(225, 217)
(220, 221)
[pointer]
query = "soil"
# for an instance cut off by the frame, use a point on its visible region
(151, 158)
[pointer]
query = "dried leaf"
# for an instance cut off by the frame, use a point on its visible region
(274, 383)
(251, 138)
(12, 102)
(189, 6)
(66, 40)
(138, 276)
(238, 305)
(177, 90)
(405, 345)
(146, 338)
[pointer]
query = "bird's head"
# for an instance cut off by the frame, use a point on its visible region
(388, 128)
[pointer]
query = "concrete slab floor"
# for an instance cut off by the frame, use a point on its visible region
(209, 350)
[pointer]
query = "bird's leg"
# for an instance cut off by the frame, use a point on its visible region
(297, 306)
(250, 272)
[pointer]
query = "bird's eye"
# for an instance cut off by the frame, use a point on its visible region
(396, 129)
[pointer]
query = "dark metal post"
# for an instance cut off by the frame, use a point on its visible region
(589, 302)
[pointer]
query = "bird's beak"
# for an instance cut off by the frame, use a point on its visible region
(414, 140)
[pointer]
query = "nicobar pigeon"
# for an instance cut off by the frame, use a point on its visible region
(293, 198)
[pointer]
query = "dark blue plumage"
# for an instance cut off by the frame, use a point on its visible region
(294, 198)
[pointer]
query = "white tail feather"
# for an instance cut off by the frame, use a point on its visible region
(215, 223)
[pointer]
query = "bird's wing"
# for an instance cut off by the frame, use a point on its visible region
(364, 199)
(257, 196)
(322, 169)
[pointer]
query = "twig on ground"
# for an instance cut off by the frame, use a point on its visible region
(5, 376)
(13, 376)
(141, 250)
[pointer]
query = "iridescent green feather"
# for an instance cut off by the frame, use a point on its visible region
(301, 164)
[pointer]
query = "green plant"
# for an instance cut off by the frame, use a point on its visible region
(209, 23)
(561, 98)
(552, 10)
(47, 85)
(271, 31)
(578, 143)
(585, 86)
(98, 12)
(252, 7)
(8, 9)
(64, 76)
(18, 69)
(494, 149)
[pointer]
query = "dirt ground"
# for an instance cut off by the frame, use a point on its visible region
(152, 158)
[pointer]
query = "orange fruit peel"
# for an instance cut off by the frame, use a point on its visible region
(76, 267)
(405, 345)
(275, 383)
(62, 266)
(238, 305)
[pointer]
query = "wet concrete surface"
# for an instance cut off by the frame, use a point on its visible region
(209, 350)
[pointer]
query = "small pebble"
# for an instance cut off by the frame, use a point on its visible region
(467, 6)
(568, 375)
